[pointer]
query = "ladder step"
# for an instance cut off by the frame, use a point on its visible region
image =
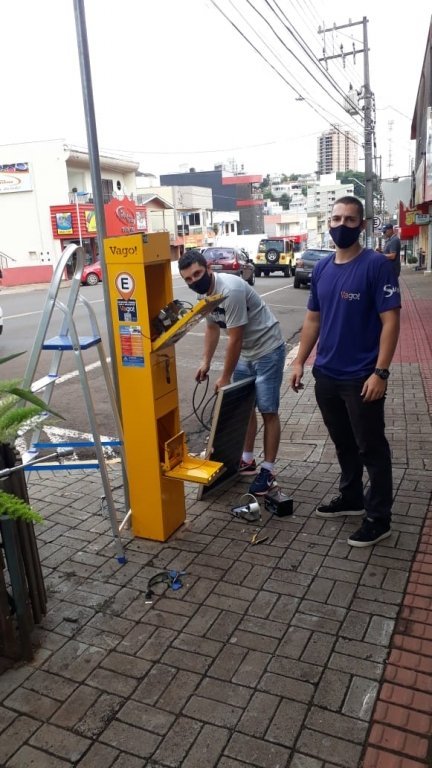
(65, 342)
(77, 444)
(45, 467)
(40, 384)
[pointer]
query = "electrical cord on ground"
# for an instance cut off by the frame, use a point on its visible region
(172, 579)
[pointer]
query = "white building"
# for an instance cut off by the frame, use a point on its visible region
(321, 197)
(34, 177)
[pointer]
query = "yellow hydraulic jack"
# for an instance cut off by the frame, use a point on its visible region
(140, 285)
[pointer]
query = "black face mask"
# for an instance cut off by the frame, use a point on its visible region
(343, 236)
(201, 285)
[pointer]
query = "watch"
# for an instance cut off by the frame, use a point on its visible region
(383, 373)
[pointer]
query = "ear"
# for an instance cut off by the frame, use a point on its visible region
(363, 225)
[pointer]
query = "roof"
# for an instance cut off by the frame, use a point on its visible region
(145, 199)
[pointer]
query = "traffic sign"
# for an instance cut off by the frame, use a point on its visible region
(377, 222)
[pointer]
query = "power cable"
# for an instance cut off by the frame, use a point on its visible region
(279, 74)
(302, 43)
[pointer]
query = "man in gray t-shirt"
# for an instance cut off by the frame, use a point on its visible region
(392, 247)
(255, 347)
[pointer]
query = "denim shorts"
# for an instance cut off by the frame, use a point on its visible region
(268, 371)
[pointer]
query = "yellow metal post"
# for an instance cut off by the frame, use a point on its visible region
(140, 284)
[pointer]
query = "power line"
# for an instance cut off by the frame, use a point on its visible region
(314, 59)
(279, 74)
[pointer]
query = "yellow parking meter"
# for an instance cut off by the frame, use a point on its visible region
(157, 462)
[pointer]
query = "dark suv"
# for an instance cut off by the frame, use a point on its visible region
(306, 263)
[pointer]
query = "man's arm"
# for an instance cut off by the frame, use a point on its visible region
(211, 340)
(308, 339)
(392, 254)
(232, 354)
(374, 388)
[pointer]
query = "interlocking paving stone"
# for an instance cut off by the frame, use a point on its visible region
(28, 756)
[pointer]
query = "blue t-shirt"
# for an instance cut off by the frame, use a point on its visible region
(350, 298)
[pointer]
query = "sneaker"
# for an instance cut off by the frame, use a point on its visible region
(262, 483)
(247, 467)
(370, 532)
(338, 507)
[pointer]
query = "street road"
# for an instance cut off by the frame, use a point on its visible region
(22, 313)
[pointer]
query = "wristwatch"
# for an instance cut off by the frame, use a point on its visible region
(383, 373)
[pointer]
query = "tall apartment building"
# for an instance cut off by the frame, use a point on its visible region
(337, 151)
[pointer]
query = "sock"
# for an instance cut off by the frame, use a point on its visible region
(247, 456)
(268, 465)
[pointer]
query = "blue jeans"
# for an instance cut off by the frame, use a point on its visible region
(357, 430)
(268, 373)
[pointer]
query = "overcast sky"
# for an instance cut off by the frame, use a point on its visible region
(177, 86)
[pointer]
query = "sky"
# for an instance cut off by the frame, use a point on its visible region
(177, 86)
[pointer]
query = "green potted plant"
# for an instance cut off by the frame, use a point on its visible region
(22, 596)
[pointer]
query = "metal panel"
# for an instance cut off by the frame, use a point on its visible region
(234, 404)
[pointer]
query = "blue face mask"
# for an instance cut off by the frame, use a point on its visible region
(202, 285)
(343, 236)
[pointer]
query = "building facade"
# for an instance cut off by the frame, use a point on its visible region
(337, 151)
(421, 132)
(230, 193)
(46, 202)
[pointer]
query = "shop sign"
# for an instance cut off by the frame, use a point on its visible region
(15, 177)
(64, 223)
(422, 218)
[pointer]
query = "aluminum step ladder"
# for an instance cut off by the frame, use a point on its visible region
(68, 340)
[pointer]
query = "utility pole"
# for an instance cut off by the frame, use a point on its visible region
(367, 116)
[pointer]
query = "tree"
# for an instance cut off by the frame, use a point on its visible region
(285, 201)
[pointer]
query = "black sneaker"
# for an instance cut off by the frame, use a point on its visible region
(370, 533)
(338, 507)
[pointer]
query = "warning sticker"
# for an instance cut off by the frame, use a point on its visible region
(127, 310)
(131, 346)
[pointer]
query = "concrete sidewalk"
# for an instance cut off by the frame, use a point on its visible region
(300, 652)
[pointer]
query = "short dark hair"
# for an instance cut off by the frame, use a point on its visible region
(193, 256)
(351, 200)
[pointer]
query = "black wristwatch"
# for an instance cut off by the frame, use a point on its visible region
(383, 373)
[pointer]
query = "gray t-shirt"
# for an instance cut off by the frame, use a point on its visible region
(393, 245)
(243, 306)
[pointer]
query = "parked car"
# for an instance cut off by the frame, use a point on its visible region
(92, 273)
(276, 254)
(1, 320)
(233, 261)
(306, 263)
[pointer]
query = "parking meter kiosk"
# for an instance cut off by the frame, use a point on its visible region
(157, 462)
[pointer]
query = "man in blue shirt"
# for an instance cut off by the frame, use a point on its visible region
(353, 313)
(392, 247)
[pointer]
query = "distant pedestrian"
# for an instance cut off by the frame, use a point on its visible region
(353, 313)
(392, 247)
(255, 347)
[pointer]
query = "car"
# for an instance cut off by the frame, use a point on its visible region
(92, 273)
(1, 320)
(306, 263)
(276, 254)
(232, 261)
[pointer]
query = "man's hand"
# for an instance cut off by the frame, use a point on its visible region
(374, 388)
(222, 381)
(296, 376)
(201, 374)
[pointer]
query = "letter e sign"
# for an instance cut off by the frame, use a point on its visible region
(125, 285)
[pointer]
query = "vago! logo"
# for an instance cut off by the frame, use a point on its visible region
(131, 251)
(350, 296)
